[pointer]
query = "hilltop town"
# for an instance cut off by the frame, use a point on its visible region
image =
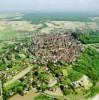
(49, 60)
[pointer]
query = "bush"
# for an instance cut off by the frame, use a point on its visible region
(74, 75)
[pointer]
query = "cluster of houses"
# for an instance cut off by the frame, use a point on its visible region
(56, 47)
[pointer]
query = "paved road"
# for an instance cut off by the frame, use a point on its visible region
(20, 75)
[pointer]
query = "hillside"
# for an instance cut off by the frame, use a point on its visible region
(57, 65)
(49, 58)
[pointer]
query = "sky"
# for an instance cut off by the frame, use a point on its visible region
(50, 5)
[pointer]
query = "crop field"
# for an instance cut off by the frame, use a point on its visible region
(16, 29)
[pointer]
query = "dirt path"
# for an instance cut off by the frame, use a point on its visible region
(18, 76)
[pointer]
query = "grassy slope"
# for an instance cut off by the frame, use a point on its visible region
(88, 64)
